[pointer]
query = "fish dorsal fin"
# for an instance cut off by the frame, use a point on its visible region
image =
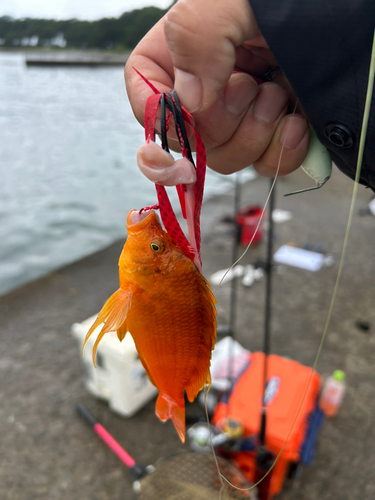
(113, 315)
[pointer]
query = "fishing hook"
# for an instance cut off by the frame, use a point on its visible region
(314, 188)
(317, 164)
(170, 101)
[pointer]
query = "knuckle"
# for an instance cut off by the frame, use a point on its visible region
(213, 137)
(239, 152)
(223, 166)
(251, 147)
(226, 160)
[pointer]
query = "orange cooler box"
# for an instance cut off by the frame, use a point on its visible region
(287, 383)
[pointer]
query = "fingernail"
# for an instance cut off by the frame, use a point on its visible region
(293, 132)
(238, 95)
(189, 90)
(270, 102)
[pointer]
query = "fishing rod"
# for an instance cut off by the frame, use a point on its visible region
(180, 472)
(264, 457)
(267, 313)
(259, 480)
(233, 290)
(137, 471)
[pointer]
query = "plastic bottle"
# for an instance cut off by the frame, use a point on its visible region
(333, 393)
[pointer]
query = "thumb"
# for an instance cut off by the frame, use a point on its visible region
(202, 37)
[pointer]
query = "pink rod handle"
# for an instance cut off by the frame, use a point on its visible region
(114, 445)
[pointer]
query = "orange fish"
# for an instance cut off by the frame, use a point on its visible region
(169, 309)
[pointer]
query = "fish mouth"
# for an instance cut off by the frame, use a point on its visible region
(138, 220)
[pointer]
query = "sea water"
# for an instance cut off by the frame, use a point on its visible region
(68, 177)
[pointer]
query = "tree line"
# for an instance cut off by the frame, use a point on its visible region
(122, 33)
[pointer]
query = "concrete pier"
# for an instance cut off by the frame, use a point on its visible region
(76, 58)
(49, 453)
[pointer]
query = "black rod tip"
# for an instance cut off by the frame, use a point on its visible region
(83, 411)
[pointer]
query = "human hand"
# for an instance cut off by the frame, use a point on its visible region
(195, 48)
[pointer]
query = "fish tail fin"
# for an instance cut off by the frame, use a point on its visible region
(113, 315)
(166, 408)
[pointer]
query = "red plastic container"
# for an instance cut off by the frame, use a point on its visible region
(248, 218)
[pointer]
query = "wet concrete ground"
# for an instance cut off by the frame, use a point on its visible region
(47, 452)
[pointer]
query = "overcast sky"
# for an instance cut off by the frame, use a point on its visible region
(80, 9)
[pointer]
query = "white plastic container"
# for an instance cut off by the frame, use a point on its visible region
(333, 393)
(119, 376)
(229, 359)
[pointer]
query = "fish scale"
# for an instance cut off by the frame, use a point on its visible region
(161, 324)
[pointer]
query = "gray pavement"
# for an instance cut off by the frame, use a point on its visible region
(47, 452)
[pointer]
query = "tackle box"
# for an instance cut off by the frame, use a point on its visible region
(293, 415)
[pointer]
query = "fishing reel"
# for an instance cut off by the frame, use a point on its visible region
(228, 437)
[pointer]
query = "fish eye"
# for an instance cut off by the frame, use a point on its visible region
(157, 246)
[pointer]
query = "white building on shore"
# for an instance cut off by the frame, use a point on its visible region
(29, 41)
(58, 40)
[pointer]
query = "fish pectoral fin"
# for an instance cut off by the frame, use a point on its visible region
(121, 332)
(113, 315)
(166, 408)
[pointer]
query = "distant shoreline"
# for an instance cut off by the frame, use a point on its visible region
(51, 51)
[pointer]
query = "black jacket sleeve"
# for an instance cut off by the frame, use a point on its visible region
(324, 49)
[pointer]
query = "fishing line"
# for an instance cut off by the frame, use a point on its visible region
(221, 476)
(265, 204)
(365, 120)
